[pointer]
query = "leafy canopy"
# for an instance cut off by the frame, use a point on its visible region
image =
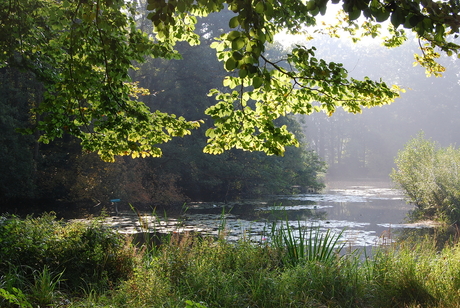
(83, 50)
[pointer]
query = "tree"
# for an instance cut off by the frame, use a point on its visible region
(429, 177)
(371, 140)
(82, 52)
(17, 167)
(180, 88)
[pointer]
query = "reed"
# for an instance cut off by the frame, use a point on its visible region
(305, 244)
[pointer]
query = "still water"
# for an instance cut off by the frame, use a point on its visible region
(369, 214)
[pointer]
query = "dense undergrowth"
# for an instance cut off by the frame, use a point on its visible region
(47, 263)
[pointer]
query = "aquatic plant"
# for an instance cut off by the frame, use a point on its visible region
(305, 244)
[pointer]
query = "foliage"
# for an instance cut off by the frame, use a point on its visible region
(220, 274)
(333, 285)
(67, 180)
(180, 88)
(192, 271)
(428, 176)
(59, 175)
(82, 52)
(16, 151)
(235, 174)
(43, 291)
(402, 281)
(49, 253)
(192, 304)
(16, 297)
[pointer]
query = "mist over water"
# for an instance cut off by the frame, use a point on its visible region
(365, 145)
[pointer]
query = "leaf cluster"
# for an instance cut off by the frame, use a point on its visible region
(263, 89)
(83, 50)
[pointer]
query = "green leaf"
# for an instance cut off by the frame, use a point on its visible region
(414, 20)
(230, 64)
(268, 11)
(214, 45)
(262, 37)
(233, 35)
(353, 15)
(181, 6)
(311, 5)
(257, 82)
(322, 9)
(233, 23)
(226, 82)
(397, 17)
(238, 43)
(439, 36)
(237, 55)
(380, 15)
(260, 8)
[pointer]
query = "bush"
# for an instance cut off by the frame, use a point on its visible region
(86, 254)
(429, 177)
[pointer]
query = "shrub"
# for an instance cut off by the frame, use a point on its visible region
(81, 254)
(429, 177)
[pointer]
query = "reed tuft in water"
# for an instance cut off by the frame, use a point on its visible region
(305, 244)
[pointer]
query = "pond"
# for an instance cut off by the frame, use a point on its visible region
(367, 213)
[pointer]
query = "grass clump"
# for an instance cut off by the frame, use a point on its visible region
(305, 244)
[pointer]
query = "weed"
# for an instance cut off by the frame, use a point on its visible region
(44, 290)
(192, 304)
(89, 252)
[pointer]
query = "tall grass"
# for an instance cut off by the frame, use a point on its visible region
(44, 290)
(291, 270)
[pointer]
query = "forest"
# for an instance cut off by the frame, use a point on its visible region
(159, 103)
(62, 173)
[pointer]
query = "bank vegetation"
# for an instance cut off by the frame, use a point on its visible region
(428, 175)
(46, 262)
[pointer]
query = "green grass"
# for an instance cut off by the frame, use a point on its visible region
(305, 244)
(192, 271)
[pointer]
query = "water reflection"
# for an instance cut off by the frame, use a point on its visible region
(368, 215)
